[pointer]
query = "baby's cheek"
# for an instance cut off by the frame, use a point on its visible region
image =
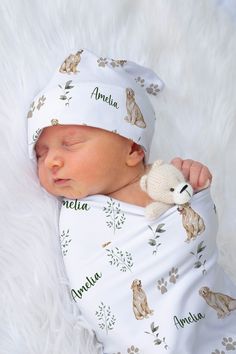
(42, 176)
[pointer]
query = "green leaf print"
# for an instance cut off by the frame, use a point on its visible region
(121, 259)
(200, 247)
(63, 97)
(154, 333)
(105, 317)
(198, 255)
(65, 89)
(156, 235)
(153, 328)
(65, 241)
(116, 218)
(153, 242)
(68, 85)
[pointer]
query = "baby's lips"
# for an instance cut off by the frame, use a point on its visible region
(61, 181)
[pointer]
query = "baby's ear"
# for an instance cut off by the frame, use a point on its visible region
(136, 155)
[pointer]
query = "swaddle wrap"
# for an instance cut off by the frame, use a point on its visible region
(149, 287)
(98, 92)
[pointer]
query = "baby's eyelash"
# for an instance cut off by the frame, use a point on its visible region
(71, 143)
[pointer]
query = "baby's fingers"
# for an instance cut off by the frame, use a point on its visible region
(197, 174)
(204, 179)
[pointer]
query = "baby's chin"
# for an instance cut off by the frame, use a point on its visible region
(71, 195)
(65, 194)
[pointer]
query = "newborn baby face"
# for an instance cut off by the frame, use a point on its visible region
(76, 161)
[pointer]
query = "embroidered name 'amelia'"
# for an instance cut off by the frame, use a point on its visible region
(75, 204)
(90, 281)
(100, 96)
(181, 322)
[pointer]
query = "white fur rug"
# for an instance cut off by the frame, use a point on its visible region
(192, 46)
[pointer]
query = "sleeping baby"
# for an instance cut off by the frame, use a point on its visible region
(145, 286)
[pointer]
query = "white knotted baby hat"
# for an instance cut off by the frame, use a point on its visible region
(98, 92)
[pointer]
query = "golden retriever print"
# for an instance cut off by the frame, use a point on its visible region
(70, 64)
(223, 304)
(135, 116)
(140, 305)
(192, 222)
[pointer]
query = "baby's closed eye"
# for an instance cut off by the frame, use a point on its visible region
(71, 144)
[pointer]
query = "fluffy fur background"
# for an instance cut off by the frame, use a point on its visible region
(192, 45)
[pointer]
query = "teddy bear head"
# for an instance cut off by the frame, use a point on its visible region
(166, 184)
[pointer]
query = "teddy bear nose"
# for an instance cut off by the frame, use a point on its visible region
(183, 189)
(172, 189)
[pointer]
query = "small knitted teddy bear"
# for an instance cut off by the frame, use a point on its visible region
(166, 185)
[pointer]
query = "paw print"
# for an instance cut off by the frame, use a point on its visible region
(117, 62)
(173, 275)
(218, 352)
(102, 62)
(229, 343)
(114, 63)
(132, 350)
(153, 89)
(140, 81)
(162, 285)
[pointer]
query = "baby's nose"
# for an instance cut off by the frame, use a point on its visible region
(53, 160)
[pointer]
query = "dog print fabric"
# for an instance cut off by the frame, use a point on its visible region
(149, 285)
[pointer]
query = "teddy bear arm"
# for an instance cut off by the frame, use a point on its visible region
(155, 209)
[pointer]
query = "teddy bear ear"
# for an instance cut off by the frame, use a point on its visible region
(157, 163)
(143, 183)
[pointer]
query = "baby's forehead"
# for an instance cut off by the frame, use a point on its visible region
(58, 131)
(65, 131)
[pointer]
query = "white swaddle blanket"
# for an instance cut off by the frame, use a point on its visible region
(149, 287)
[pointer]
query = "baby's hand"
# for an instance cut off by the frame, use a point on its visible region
(195, 173)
